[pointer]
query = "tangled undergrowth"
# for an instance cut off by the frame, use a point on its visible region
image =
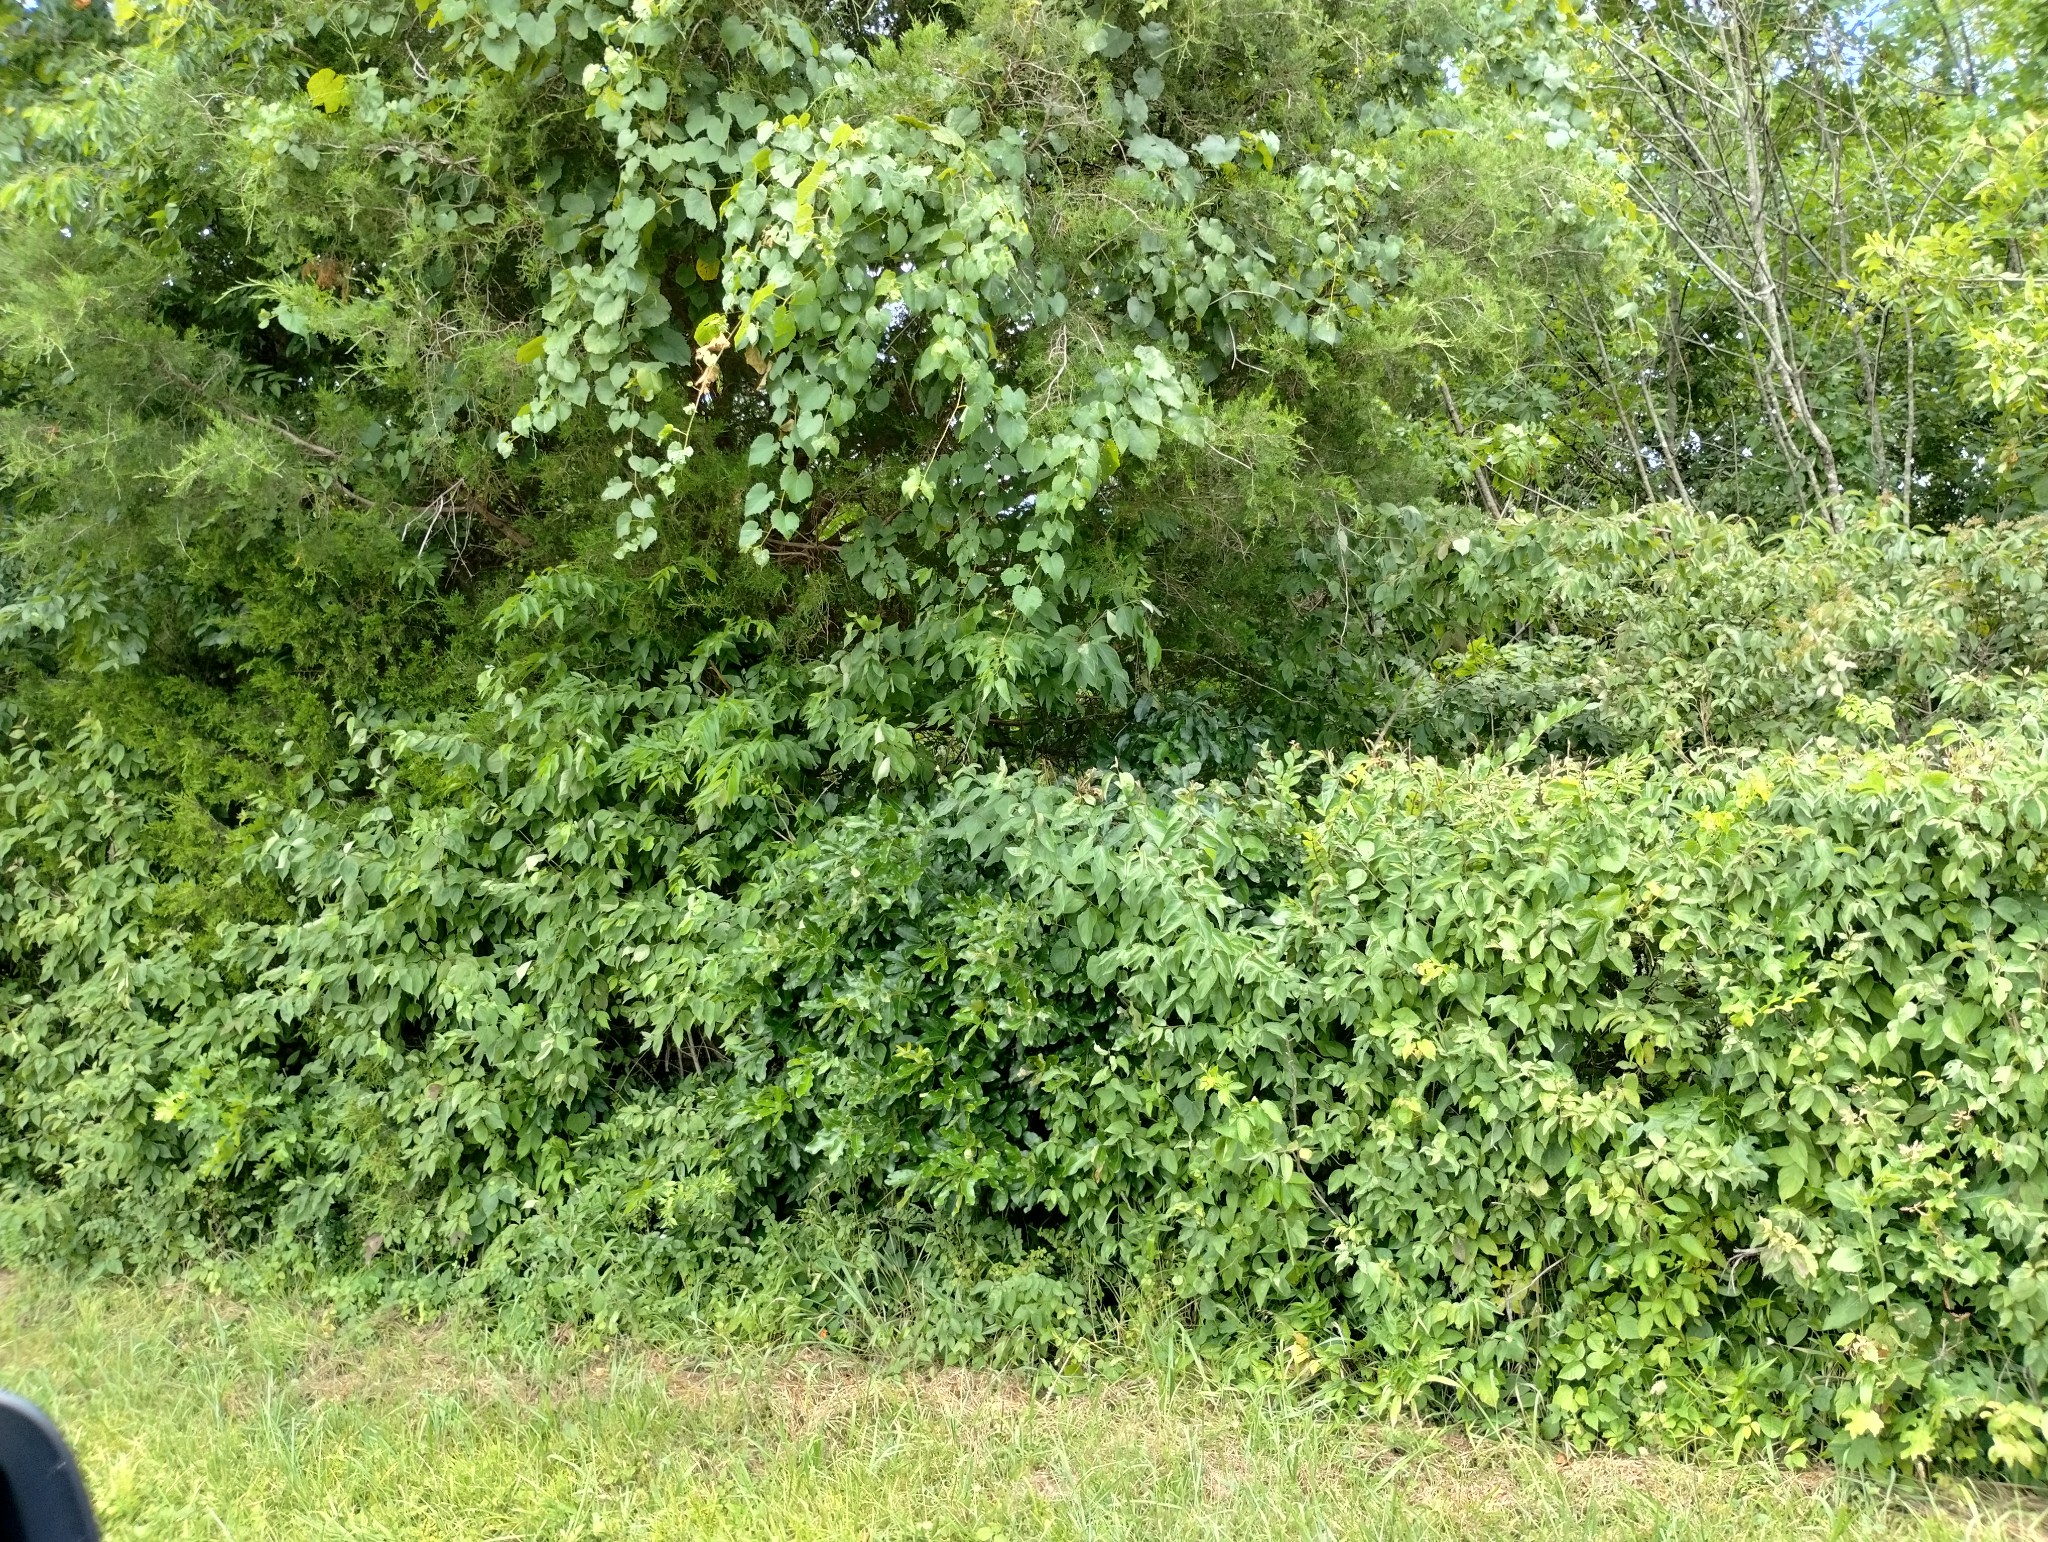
(855, 670)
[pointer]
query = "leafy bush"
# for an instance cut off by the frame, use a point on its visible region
(1673, 630)
(1661, 1100)
(1008, 791)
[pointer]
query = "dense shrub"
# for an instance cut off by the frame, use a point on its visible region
(1655, 1099)
(1669, 629)
(1196, 667)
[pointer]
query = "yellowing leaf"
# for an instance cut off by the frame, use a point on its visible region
(531, 349)
(328, 90)
(707, 268)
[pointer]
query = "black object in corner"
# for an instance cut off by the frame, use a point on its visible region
(42, 1498)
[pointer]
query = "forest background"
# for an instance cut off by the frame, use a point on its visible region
(1355, 681)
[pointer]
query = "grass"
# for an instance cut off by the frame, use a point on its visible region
(202, 1416)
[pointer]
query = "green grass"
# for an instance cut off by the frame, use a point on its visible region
(204, 1416)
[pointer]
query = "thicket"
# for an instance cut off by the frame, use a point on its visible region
(1355, 680)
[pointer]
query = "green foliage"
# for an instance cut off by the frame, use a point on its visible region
(1803, 165)
(1663, 1101)
(1656, 628)
(1973, 282)
(831, 663)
